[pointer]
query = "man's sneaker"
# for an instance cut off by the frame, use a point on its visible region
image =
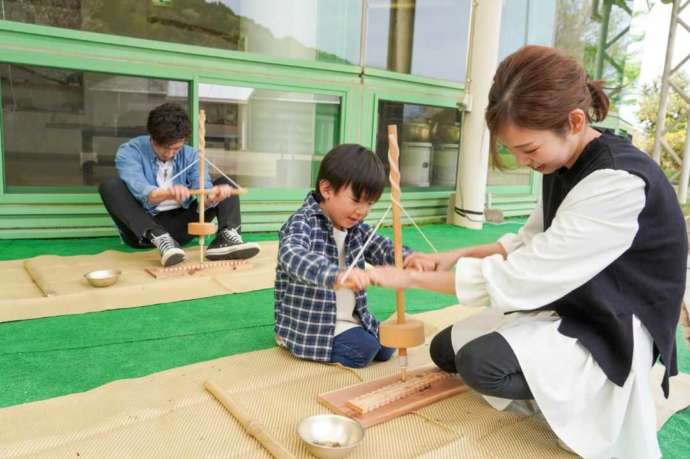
(228, 245)
(171, 252)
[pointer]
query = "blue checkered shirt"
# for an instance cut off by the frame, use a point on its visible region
(305, 306)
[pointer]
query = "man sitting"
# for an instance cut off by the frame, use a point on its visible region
(150, 201)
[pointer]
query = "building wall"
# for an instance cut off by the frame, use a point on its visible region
(309, 90)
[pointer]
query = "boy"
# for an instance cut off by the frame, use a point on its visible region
(318, 243)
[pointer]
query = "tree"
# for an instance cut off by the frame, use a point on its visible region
(578, 31)
(676, 118)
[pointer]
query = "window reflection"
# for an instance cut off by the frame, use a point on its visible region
(581, 26)
(420, 37)
(522, 22)
(526, 22)
(268, 139)
(429, 140)
(76, 122)
(512, 175)
(323, 30)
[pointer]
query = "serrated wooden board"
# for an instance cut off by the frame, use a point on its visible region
(337, 400)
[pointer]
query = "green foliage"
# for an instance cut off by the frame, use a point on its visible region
(579, 32)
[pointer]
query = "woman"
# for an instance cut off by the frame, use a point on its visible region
(586, 296)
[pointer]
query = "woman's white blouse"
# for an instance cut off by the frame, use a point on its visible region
(594, 225)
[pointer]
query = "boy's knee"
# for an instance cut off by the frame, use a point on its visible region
(357, 362)
(357, 353)
(368, 350)
(352, 357)
(384, 354)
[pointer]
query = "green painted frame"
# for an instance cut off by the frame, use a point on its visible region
(382, 90)
(53, 47)
(359, 89)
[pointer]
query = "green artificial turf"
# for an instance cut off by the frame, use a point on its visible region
(54, 356)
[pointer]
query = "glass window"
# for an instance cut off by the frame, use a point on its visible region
(512, 175)
(422, 37)
(522, 22)
(581, 26)
(429, 139)
(323, 30)
(62, 128)
(526, 22)
(267, 138)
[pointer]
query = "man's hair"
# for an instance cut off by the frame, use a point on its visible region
(352, 164)
(168, 123)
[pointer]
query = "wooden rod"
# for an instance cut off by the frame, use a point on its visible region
(252, 426)
(394, 178)
(202, 180)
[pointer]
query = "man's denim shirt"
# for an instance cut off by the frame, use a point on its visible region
(304, 299)
(137, 166)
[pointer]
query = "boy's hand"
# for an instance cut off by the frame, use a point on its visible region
(390, 277)
(356, 280)
(420, 262)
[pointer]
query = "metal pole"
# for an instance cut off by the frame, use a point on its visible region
(363, 35)
(663, 101)
(603, 40)
(202, 180)
(401, 36)
(685, 171)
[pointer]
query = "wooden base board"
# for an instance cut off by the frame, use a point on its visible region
(198, 269)
(337, 400)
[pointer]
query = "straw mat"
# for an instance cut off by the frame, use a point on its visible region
(51, 285)
(169, 414)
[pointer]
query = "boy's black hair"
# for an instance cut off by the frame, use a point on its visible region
(168, 123)
(352, 164)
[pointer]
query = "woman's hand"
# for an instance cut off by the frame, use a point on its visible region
(398, 279)
(420, 262)
(390, 277)
(445, 261)
(442, 261)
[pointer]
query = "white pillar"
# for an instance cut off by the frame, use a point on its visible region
(470, 188)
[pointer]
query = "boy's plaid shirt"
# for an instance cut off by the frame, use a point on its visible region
(305, 309)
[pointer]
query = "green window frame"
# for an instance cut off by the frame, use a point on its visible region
(359, 90)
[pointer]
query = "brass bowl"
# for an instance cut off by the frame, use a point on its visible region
(449, 133)
(103, 277)
(330, 436)
(416, 132)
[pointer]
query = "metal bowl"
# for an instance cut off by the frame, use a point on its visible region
(103, 277)
(329, 435)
